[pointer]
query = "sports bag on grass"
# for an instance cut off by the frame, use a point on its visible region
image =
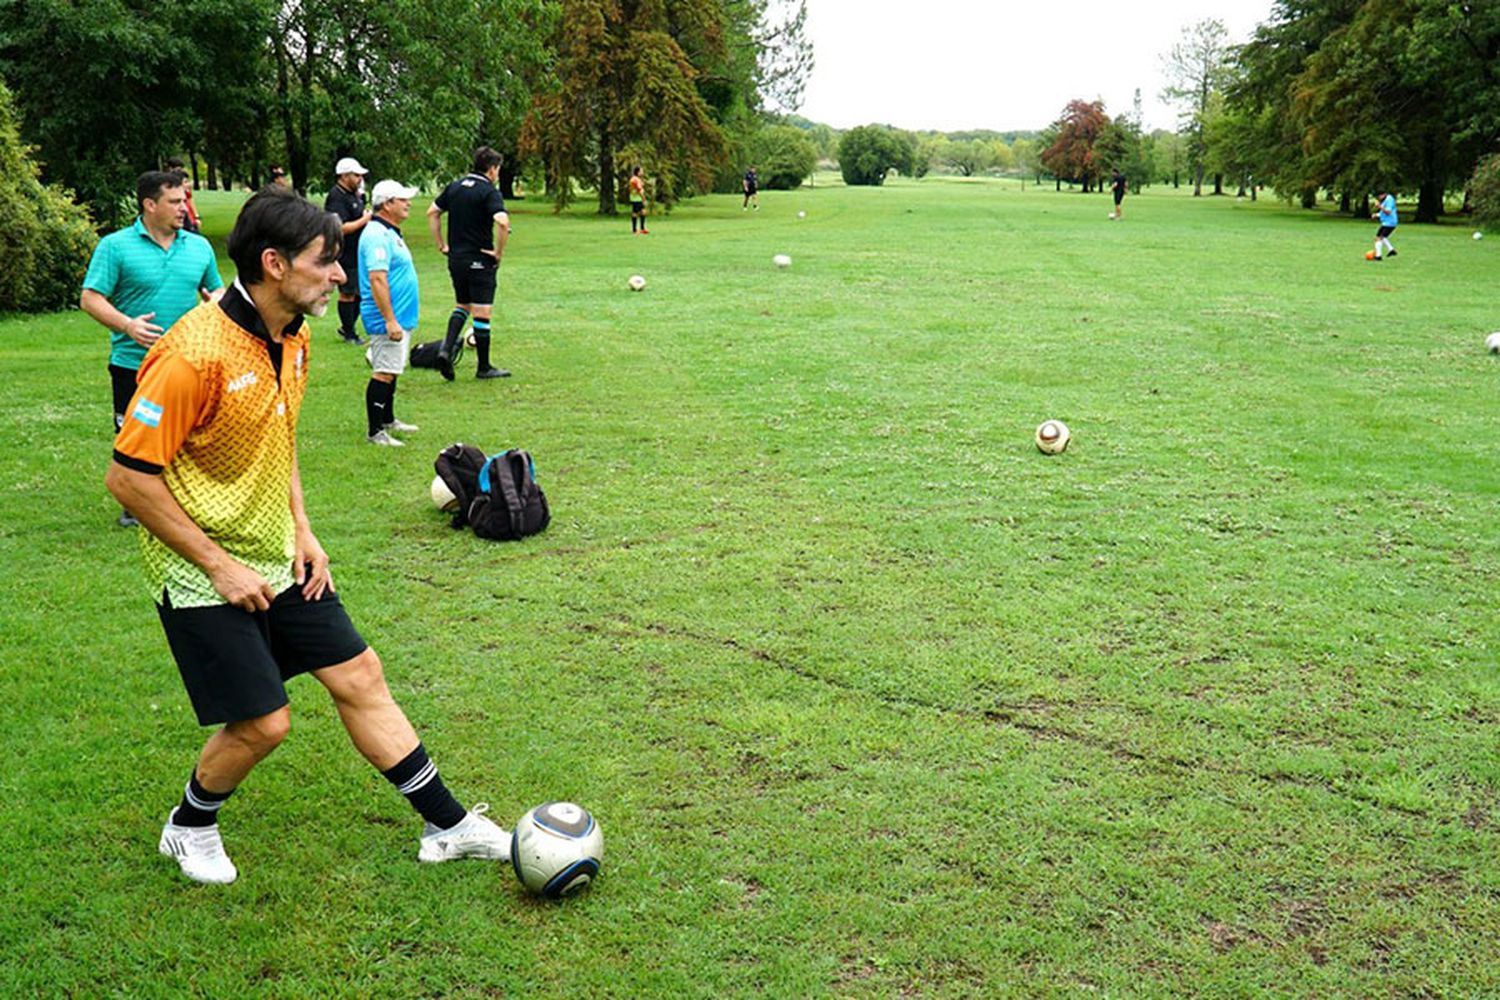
(424, 355)
(509, 503)
(458, 466)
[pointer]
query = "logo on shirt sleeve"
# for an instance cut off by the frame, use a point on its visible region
(147, 412)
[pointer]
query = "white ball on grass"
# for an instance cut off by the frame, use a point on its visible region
(637, 282)
(1052, 437)
(782, 260)
(1492, 342)
(442, 497)
(556, 849)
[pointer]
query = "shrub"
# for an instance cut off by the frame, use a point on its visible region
(869, 152)
(48, 237)
(784, 155)
(1484, 192)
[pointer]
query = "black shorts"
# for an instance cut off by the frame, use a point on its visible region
(473, 280)
(637, 208)
(122, 382)
(351, 277)
(235, 663)
(1384, 231)
(1119, 197)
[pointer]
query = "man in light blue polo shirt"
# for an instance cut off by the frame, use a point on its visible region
(388, 306)
(143, 278)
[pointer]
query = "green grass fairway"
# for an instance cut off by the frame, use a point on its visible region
(871, 698)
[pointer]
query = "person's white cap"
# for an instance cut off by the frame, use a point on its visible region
(348, 165)
(388, 189)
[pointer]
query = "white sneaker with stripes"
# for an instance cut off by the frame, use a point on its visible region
(199, 852)
(475, 837)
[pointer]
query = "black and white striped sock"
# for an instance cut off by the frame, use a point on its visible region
(199, 807)
(417, 778)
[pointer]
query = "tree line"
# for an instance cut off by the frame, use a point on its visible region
(572, 90)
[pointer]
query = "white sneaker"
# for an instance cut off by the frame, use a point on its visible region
(401, 426)
(199, 851)
(382, 437)
(475, 837)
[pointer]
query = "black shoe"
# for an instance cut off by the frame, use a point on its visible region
(445, 364)
(353, 338)
(1391, 253)
(127, 520)
(492, 373)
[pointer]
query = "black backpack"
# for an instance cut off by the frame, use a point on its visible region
(425, 354)
(458, 466)
(508, 504)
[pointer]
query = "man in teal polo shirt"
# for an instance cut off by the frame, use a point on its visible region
(143, 278)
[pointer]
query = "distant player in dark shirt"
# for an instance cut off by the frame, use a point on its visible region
(478, 227)
(751, 185)
(1117, 184)
(347, 201)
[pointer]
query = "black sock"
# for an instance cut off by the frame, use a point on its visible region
(482, 342)
(456, 321)
(632, 223)
(417, 778)
(377, 405)
(390, 400)
(199, 807)
(348, 316)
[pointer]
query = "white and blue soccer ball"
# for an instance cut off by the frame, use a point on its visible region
(1052, 437)
(782, 260)
(637, 282)
(556, 849)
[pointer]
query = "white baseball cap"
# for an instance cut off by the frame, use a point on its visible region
(388, 189)
(348, 165)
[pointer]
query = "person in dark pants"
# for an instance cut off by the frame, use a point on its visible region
(637, 201)
(142, 279)
(1117, 184)
(751, 185)
(207, 459)
(478, 227)
(346, 199)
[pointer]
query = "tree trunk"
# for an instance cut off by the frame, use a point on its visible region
(1198, 181)
(1218, 184)
(1346, 203)
(1363, 212)
(1430, 200)
(1309, 197)
(1241, 192)
(606, 172)
(213, 176)
(508, 175)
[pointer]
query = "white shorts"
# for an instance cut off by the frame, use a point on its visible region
(387, 356)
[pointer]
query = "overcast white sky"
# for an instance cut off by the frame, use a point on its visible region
(953, 65)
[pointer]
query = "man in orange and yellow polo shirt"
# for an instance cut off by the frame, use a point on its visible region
(207, 461)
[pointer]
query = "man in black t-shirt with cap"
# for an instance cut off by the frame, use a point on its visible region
(478, 227)
(346, 199)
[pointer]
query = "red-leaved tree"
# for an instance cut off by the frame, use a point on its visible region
(1071, 155)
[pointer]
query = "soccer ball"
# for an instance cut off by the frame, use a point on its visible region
(1478, 235)
(1492, 342)
(637, 282)
(442, 497)
(1052, 437)
(556, 849)
(782, 260)
(1369, 255)
(469, 337)
(801, 215)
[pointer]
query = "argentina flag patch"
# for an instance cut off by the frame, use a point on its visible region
(146, 412)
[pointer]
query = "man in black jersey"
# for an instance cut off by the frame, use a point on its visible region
(346, 199)
(478, 227)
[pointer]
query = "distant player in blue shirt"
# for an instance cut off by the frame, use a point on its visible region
(1387, 218)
